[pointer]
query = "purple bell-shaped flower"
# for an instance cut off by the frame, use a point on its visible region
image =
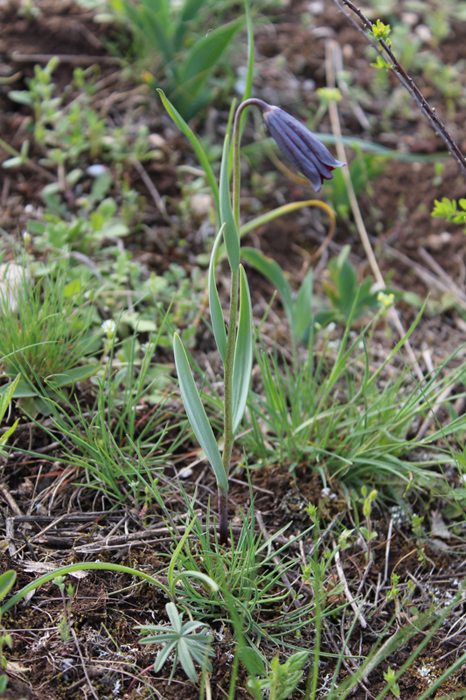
(299, 145)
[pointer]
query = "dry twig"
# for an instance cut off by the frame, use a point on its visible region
(382, 47)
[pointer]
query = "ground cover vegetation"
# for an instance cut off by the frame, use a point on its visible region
(232, 398)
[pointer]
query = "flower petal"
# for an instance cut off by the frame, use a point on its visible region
(300, 146)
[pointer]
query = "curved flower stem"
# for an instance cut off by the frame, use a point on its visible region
(236, 150)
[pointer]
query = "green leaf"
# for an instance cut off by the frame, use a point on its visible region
(303, 307)
(381, 64)
(7, 581)
(22, 97)
(12, 162)
(188, 13)
(190, 9)
(200, 62)
(243, 353)
(201, 154)
(163, 654)
(3, 683)
(72, 288)
(71, 376)
(23, 389)
(154, 26)
(174, 617)
(230, 232)
(7, 394)
(196, 413)
(6, 435)
(251, 658)
(273, 272)
(216, 313)
(186, 660)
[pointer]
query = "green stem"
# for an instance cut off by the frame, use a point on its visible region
(236, 151)
(228, 413)
(231, 341)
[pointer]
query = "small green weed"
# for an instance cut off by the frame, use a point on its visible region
(182, 638)
(71, 129)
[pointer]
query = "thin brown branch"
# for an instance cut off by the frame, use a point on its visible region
(408, 83)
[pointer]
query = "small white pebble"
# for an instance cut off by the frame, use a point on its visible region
(96, 170)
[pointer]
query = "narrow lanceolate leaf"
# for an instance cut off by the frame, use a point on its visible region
(230, 233)
(186, 660)
(201, 154)
(216, 313)
(243, 353)
(196, 413)
(203, 57)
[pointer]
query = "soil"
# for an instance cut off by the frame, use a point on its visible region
(102, 657)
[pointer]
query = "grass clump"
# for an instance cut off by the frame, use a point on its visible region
(348, 421)
(47, 333)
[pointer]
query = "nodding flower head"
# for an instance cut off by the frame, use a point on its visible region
(300, 146)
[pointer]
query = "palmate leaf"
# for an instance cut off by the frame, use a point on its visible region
(242, 366)
(218, 324)
(196, 413)
(179, 636)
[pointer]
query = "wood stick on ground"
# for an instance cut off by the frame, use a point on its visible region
(75, 60)
(83, 665)
(349, 597)
(10, 500)
(331, 48)
(424, 275)
(438, 269)
(154, 193)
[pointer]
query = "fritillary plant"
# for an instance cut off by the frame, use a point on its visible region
(313, 159)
